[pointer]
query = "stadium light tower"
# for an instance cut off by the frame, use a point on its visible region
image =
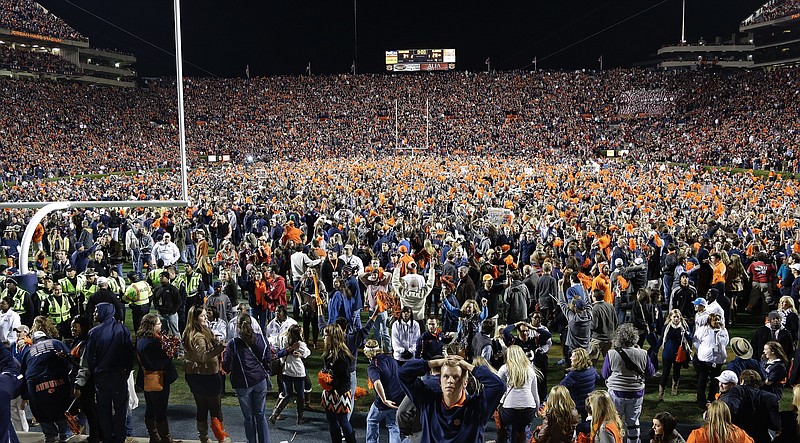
(683, 23)
(45, 208)
(355, 36)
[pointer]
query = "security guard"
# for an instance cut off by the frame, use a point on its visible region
(137, 296)
(190, 283)
(23, 303)
(87, 286)
(59, 309)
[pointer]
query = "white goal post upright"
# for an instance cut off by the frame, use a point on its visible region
(48, 207)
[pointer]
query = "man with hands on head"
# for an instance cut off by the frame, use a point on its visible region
(447, 413)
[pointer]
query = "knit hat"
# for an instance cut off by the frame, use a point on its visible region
(773, 315)
(742, 348)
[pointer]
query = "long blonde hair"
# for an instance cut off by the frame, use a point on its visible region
(560, 404)
(518, 366)
(718, 424)
(603, 410)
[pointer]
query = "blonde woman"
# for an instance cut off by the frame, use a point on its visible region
(718, 427)
(789, 316)
(560, 418)
(676, 333)
(522, 397)
(734, 283)
(710, 343)
(606, 423)
(581, 380)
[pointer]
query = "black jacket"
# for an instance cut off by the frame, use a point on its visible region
(754, 411)
(765, 334)
(167, 299)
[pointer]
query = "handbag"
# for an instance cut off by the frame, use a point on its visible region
(681, 356)
(335, 402)
(153, 381)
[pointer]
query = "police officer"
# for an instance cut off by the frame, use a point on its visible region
(23, 303)
(137, 296)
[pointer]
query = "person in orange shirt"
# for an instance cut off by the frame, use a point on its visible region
(718, 427)
(38, 235)
(718, 278)
(602, 282)
(291, 233)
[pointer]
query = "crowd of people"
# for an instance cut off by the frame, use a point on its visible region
(741, 119)
(29, 16)
(15, 59)
(633, 269)
(774, 9)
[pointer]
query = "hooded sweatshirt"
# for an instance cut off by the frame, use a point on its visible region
(109, 347)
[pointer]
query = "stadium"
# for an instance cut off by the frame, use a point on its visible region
(461, 254)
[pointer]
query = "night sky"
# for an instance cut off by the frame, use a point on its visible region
(281, 37)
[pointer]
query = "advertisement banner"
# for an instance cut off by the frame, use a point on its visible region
(434, 66)
(406, 67)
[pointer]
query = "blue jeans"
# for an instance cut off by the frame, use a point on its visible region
(137, 266)
(629, 410)
(252, 401)
(381, 331)
(112, 404)
(374, 419)
(171, 321)
(55, 430)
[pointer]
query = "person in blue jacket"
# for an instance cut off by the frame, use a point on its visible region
(447, 413)
(109, 359)
(47, 384)
(10, 381)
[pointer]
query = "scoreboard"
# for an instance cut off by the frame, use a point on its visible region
(406, 60)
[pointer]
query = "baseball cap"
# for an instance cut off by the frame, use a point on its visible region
(579, 303)
(102, 281)
(700, 301)
(727, 376)
(795, 266)
(618, 262)
(23, 328)
(638, 260)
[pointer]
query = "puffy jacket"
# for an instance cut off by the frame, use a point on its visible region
(248, 365)
(580, 384)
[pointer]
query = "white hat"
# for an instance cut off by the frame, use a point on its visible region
(728, 377)
(618, 262)
(102, 281)
(638, 261)
(795, 267)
